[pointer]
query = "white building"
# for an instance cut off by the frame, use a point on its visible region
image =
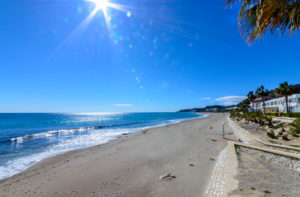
(212, 110)
(279, 104)
(232, 108)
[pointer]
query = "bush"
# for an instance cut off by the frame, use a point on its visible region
(271, 134)
(259, 117)
(267, 192)
(293, 115)
(269, 119)
(271, 114)
(295, 126)
(285, 137)
(281, 125)
(293, 133)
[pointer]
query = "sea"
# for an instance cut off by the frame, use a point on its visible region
(26, 138)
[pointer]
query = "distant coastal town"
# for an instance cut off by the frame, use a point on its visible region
(282, 100)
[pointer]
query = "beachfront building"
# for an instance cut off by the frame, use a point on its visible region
(275, 103)
(232, 108)
(212, 110)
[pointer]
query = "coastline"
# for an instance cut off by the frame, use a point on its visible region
(123, 159)
(44, 155)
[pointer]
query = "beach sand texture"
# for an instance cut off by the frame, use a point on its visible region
(174, 160)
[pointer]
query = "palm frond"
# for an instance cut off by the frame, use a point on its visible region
(258, 16)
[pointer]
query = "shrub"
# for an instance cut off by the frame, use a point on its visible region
(281, 125)
(293, 133)
(295, 126)
(285, 137)
(267, 192)
(271, 114)
(271, 134)
(269, 119)
(293, 114)
(259, 116)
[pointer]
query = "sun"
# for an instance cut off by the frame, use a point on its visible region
(104, 6)
(100, 4)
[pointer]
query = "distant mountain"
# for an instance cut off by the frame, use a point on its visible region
(205, 109)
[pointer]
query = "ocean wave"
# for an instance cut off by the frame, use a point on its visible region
(19, 164)
(96, 135)
(74, 130)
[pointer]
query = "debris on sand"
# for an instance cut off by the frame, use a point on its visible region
(213, 139)
(167, 177)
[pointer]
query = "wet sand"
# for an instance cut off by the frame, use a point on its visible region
(133, 165)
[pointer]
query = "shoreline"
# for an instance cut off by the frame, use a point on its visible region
(117, 137)
(73, 157)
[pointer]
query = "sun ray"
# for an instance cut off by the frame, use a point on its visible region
(104, 6)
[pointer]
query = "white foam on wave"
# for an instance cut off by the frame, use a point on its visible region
(17, 165)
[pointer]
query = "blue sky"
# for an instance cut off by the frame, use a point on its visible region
(154, 55)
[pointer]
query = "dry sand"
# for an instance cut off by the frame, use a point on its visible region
(259, 177)
(129, 166)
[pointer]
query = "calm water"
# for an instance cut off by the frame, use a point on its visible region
(28, 138)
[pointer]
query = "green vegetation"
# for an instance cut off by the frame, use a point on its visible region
(259, 16)
(269, 119)
(295, 126)
(237, 146)
(282, 130)
(285, 137)
(251, 98)
(297, 146)
(285, 90)
(253, 188)
(264, 118)
(281, 125)
(244, 105)
(262, 93)
(267, 192)
(293, 133)
(271, 134)
(257, 117)
(291, 114)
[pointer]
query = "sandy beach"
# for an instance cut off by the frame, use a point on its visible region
(133, 165)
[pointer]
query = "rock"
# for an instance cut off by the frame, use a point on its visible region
(167, 177)
(192, 165)
(213, 139)
(211, 127)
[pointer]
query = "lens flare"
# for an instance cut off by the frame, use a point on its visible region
(100, 4)
(104, 6)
